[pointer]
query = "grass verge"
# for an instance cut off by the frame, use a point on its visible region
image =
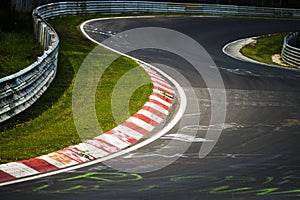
(17, 51)
(48, 125)
(264, 48)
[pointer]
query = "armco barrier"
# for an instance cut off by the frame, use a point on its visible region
(20, 90)
(85, 7)
(290, 54)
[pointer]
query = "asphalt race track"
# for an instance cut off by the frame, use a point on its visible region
(257, 154)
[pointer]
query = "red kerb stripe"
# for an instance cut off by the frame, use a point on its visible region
(39, 165)
(145, 119)
(163, 90)
(164, 85)
(5, 176)
(135, 127)
(162, 97)
(122, 136)
(158, 103)
(154, 111)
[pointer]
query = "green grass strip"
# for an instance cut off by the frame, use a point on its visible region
(48, 125)
(264, 48)
(17, 51)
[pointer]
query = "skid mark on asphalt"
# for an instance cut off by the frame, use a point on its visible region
(222, 126)
(287, 123)
(238, 97)
(245, 72)
(184, 138)
(262, 98)
(97, 30)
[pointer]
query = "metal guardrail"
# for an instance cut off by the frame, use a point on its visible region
(20, 90)
(291, 54)
(86, 7)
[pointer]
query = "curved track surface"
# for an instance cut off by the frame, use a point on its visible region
(257, 155)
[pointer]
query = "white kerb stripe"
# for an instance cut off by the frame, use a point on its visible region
(150, 115)
(156, 76)
(163, 87)
(111, 139)
(91, 150)
(150, 71)
(159, 100)
(161, 92)
(57, 163)
(136, 135)
(157, 107)
(17, 169)
(54, 162)
(160, 81)
(141, 123)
